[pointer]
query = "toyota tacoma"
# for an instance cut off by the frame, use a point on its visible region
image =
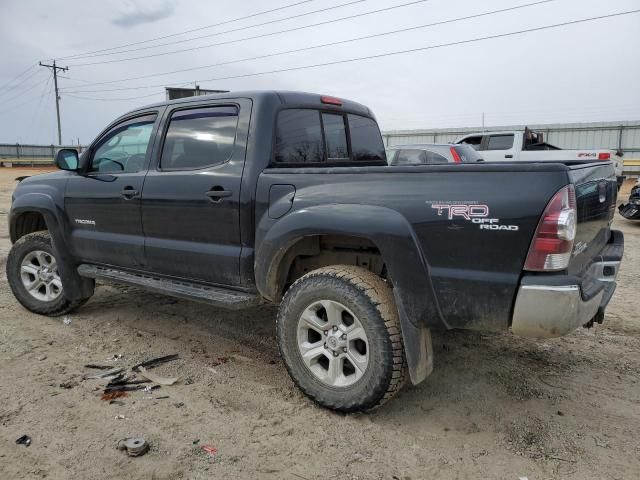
(286, 198)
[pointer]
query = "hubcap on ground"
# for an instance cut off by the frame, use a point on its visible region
(333, 343)
(39, 275)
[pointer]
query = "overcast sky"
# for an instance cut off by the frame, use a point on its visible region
(581, 72)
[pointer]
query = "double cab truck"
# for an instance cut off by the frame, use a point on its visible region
(286, 198)
(528, 145)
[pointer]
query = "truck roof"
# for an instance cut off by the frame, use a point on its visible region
(301, 99)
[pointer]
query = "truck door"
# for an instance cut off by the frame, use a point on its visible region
(499, 148)
(103, 203)
(191, 195)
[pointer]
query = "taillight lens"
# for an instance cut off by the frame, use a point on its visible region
(553, 241)
(604, 156)
(454, 154)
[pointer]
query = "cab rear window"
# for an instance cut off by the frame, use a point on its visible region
(310, 137)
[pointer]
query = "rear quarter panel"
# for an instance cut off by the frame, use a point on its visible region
(465, 275)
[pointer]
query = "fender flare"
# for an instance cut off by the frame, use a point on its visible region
(77, 287)
(405, 262)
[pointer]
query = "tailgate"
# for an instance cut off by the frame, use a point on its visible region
(596, 195)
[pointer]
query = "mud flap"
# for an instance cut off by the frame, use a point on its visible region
(418, 349)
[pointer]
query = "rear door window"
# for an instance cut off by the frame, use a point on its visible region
(500, 142)
(410, 157)
(199, 138)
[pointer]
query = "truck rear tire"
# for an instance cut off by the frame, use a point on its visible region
(33, 276)
(339, 336)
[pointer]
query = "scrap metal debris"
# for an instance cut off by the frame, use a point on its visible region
(134, 446)
(154, 362)
(119, 382)
(24, 440)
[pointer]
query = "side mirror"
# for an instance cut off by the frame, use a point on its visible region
(67, 159)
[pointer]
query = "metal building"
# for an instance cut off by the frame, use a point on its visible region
(624, 136)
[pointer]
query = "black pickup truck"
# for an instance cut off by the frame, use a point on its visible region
(282, 197)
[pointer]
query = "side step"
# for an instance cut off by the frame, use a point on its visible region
(218, 296)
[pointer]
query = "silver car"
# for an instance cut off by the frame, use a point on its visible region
(431, 153)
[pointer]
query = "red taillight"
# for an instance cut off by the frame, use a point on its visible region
(456, 157)
(331, 100)
(553, 241)
(604, 156)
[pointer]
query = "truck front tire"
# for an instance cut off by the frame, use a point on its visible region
(32, 273)
(339, 336)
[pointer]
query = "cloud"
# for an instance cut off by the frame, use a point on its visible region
(137, 12)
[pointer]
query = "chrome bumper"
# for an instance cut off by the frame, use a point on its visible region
(545, 311)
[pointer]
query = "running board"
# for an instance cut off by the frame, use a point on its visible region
(218, 296)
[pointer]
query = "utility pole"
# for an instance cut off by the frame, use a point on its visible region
(55, 83)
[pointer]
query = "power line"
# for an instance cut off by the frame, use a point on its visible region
(17, 76)
(37, 109)
(296, 50)
(189, 31)
(402, 52)
(21, 86)
(79, 97)
(175, 42)
(200, 47)
(27, 90)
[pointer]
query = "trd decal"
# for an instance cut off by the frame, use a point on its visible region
(461, 210)
(476, 213)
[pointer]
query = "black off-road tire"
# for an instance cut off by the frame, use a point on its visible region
(25, 245)
(371, 300)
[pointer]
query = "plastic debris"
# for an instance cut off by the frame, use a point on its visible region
(210, 450)
(66, 321)
(134, 446)
(24, 440)
(155, 378)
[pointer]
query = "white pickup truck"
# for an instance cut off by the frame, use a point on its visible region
(516, 145)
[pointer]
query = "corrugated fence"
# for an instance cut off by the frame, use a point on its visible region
(17, 153)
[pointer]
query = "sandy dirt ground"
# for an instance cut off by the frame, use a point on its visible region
(496, 406)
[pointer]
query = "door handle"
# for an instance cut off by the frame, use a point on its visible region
(218, 193)
(129, 192)
(508, 155)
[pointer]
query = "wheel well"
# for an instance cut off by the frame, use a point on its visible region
(311, 253)
(28, 222)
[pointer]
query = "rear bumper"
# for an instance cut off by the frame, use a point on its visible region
(551, 306)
